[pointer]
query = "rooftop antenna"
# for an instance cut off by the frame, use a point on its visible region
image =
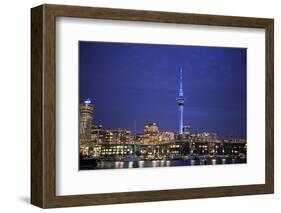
(135, 125)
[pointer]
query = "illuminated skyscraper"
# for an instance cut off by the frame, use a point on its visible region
(186, 130)
(180, 101)
(86, 120)
(151, 128)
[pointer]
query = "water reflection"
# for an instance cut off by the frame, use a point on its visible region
(168, 163)
(154, 163)
(192, 162)
(140, 164)
(130, 165)
(164, 163)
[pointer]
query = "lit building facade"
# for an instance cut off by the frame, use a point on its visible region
(152, 144)
(85, 125)
(186, 131)
(236, 147)
(116, 151)
(117, 136)
(151, 128)
(203, 137)
(153, 136)
(166, 137)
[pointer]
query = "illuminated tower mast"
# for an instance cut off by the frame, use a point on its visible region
(180, 101)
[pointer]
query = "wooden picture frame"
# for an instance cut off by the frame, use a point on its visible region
(43, 105)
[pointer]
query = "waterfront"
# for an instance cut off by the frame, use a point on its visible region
(161, 163)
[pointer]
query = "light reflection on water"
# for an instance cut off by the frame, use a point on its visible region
(168, 163)
(119, 165)
(140, 163)
(131, 164)
(165, 163)
(192, 162)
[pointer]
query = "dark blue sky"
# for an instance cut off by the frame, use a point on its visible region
(139, 82)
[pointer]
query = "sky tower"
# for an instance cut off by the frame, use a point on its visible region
(180, 101)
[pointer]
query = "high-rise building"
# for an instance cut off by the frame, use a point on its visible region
(115, 136)
(186, 130)
(180, 101)
(204, 137)
(86, 120)
(151, 128)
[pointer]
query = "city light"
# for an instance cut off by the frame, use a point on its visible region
(121, 148)
(88, 101)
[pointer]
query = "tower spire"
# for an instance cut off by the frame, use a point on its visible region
(180, 101)
(180, 89)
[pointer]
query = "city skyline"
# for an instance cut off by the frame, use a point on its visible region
(145, 87)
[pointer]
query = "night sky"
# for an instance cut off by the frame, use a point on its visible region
(138, 83)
